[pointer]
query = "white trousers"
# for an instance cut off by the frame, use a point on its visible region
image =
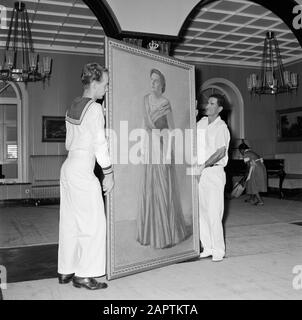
(82, 227)
(211, 207)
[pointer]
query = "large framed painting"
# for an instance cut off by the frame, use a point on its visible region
(289, 124)
(152, 212)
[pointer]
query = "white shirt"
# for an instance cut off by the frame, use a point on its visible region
(89, 135)
(211, 137)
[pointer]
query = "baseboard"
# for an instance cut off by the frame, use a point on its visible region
(295, 190)
(29, 202)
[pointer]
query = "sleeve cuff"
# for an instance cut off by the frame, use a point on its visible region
(107, 170)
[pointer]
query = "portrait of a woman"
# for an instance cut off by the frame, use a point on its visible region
(160, 221)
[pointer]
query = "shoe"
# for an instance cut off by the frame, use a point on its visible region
(259, 203)
(217, 258)
(205, 254)
(88, 283)
(65, 278)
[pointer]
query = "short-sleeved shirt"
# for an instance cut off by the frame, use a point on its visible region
(211, 137)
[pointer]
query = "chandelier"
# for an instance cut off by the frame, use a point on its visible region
(273, 78)
(21, 63)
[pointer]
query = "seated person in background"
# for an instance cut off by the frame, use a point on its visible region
(256, 180)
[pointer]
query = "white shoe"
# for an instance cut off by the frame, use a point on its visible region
(217, 258)
(205, 254)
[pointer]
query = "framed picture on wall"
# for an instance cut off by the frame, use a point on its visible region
(53, 129)
(152, 212)
(289, 124)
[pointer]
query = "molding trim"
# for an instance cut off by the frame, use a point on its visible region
(106, 17)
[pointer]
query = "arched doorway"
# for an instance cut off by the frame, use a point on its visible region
(235, 104)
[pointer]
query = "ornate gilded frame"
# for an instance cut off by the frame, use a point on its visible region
(129, 67)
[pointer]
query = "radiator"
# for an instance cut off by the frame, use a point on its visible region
(45, 191)
(46, 176)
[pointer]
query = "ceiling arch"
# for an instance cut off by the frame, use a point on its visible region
(228, 32)
(233, 31)
(108, 18)
(143, 18)
(282, 9)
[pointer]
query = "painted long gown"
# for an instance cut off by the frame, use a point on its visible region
(160, 221)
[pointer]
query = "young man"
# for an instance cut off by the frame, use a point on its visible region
(82, 228)
(213, 139)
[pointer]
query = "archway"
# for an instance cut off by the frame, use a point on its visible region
(112, 28)
(235, 104)
(283, 9)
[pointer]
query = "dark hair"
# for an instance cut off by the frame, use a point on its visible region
(92, 71)
(200, 99)
(161, 77)
(220, 99)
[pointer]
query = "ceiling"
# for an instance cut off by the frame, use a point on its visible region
(223, 32)
(233, 31)
(67, 25)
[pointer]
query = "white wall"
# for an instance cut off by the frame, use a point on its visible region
(152, 16)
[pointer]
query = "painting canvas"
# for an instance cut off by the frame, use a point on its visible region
(53, 129)
(289, 124)
(152, 212)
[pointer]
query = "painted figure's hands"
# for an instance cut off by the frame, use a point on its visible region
(108, 183)
(196, 171)
(199, 170)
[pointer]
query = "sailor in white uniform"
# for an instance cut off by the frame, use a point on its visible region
(82, 228)
(213, 139)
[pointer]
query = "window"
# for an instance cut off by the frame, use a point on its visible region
(10, 134)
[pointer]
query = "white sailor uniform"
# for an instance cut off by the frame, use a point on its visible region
(82, 228)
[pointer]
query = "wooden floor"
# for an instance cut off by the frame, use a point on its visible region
(29, 225)
(263, 244)
(30, 263)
